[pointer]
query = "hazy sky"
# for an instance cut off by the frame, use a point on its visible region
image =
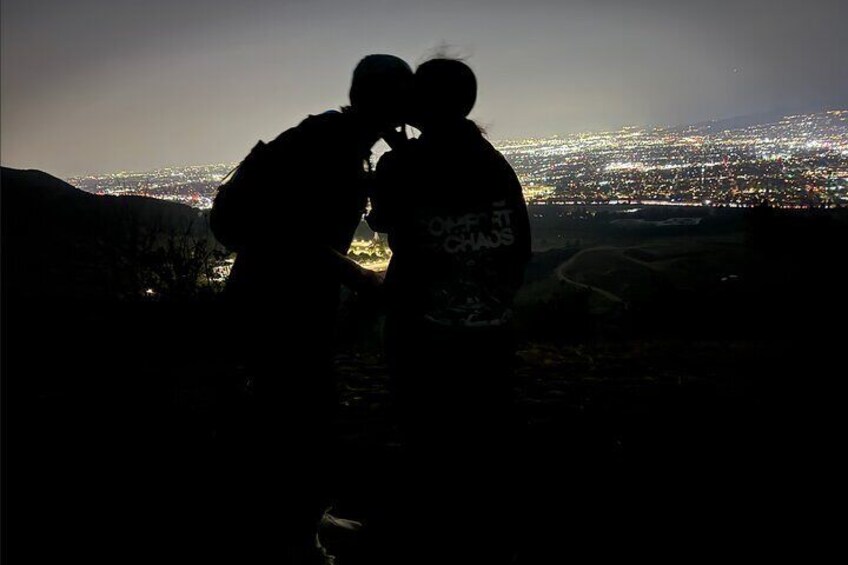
(106, 85)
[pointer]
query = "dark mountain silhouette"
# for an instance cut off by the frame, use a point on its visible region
(59, 241)
(736, 122)
(739, 122)
(93, 360)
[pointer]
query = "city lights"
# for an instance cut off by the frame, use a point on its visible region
(799, 161)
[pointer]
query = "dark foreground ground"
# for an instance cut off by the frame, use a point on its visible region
(635, 447)
(682, 395)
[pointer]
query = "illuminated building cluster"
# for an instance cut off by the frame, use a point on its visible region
(372, 253)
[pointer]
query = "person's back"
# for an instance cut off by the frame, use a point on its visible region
(457, 226)
(316, 202)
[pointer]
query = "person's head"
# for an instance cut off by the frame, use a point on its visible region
(444, 91)
(380, 89)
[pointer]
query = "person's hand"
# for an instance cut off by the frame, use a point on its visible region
(395, 138)
(369, 291)
(369, 283)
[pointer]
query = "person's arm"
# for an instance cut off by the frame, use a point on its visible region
(352, 275)
(395, 138)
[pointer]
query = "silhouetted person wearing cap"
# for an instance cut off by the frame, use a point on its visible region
(292, 235)
(459, 233)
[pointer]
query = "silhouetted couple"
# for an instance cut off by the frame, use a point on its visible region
(458, 229)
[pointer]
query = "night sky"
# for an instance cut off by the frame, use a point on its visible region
(107, 85)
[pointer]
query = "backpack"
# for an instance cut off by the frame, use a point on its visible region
(249, 195)
(239, 197)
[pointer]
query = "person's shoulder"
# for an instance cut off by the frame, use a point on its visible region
(499, 167)
(314, 123)
(488, 148)
(491, 152)
(333, 123)
(315, 128)
(324, 119)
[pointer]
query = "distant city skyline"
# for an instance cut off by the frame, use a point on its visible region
(797, 161)
(97, 86)
(380, 147)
